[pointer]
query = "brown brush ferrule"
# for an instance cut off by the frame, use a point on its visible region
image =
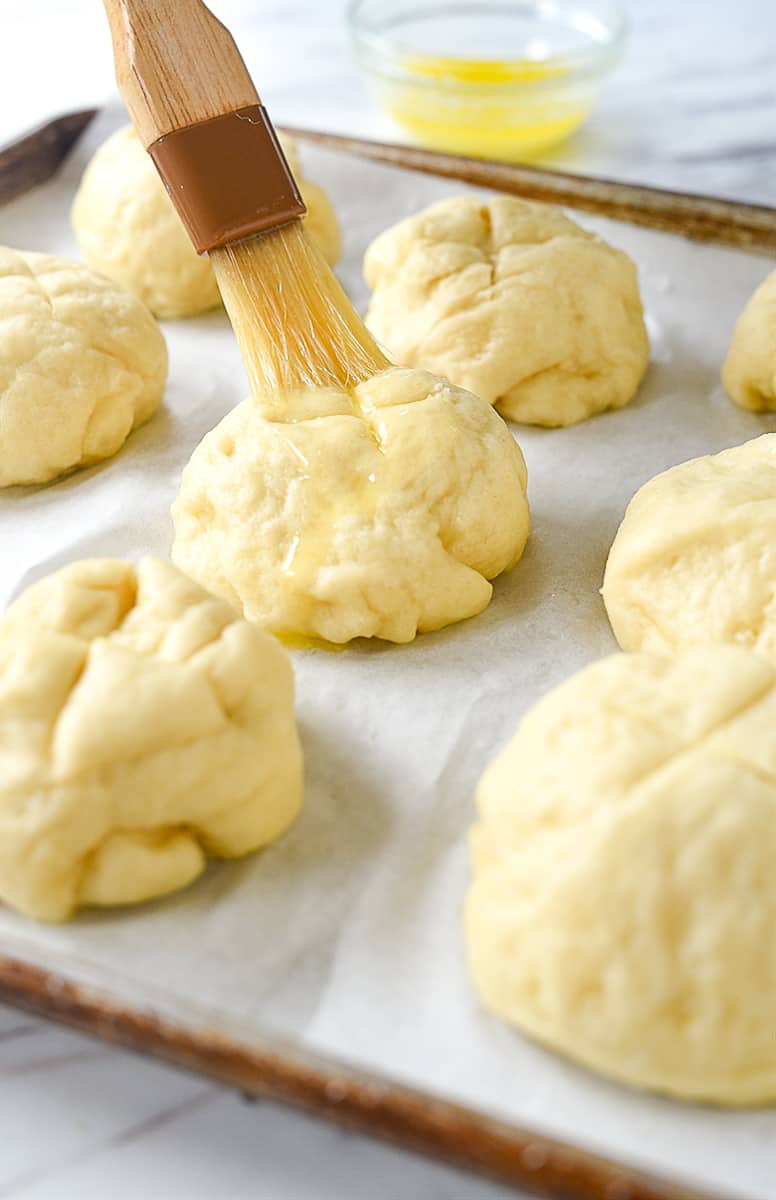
(228, 177)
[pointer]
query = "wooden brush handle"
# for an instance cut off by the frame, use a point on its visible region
(197, 113)
(176, 65)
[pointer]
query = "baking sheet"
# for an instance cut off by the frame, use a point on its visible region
(345, 935)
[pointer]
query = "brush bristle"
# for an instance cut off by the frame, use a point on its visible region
(293, 322)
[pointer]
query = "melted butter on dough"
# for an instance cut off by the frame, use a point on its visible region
(377, 513)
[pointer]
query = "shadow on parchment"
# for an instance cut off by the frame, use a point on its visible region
(265, 927)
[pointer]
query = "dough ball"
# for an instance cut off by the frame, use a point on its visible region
(82, 364)
(376, 513)
(128, 229)
(749, 373)
(623, 899)
(143, 725)
(513, 301)
(694, 559)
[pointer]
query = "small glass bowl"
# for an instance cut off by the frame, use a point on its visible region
(501, 79)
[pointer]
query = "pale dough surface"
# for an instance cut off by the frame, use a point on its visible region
(694, 559)
(128, 229)
(143, 726)
(513, 301)
(749, 371)
(376, 513)
(82, 364)
(623, 901)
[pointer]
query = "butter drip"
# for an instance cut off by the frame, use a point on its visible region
(309, 546)
(380, 510)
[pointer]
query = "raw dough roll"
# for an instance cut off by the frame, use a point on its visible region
(623, 902)
(143, 726)
(749, 373)
(82, 364)
(513, 301)
(376, 513)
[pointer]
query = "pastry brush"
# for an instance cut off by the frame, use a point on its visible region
(195, 109)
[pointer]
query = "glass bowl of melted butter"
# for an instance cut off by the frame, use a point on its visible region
(503, 79)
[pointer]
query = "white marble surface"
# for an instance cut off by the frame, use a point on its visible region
(81, 1121)
(692, 106)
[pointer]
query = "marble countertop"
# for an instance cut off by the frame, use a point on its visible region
(691, 107)
(82, 1121)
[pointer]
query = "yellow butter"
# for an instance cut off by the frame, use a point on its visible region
(479, 107)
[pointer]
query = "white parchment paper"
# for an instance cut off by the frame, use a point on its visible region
(345, 935)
